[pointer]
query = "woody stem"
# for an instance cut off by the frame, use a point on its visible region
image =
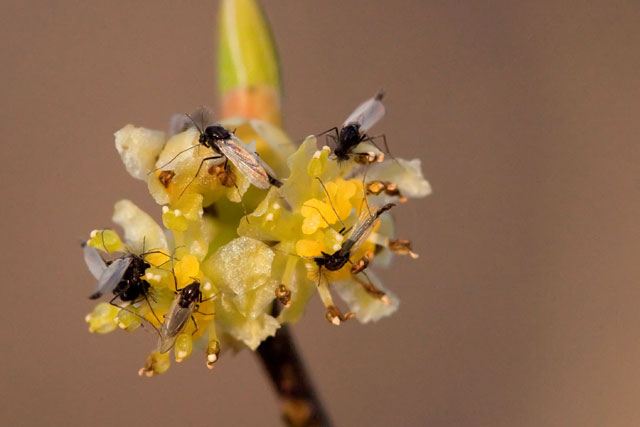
(299, 402)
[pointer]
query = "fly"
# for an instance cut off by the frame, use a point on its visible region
(122, 276)
(354, 131)
(355, 237)
(225, 145)
(359, 234)
(185, 303)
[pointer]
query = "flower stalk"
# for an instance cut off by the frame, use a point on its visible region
(299, 402)
(249, 85)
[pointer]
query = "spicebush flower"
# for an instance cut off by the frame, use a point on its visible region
(253, 252)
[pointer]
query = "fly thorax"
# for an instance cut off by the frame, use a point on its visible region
(336, 261)
(217, 133)
(349, 138)
(130, 293)
(320, 260)
(190, 295)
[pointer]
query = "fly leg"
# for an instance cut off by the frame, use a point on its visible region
(146, 296)
(194, 324)
(329, 134)
(372, 290)
(132, 312)
(372, 139)
(197, 172)
(328, 131)
(330, 202)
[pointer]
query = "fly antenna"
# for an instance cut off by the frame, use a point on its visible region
(244, 208)
(320, 213)
(173, 272)
(365, 199)
(169, 257)
(151, 308)
(194, 123)
(291, 254)
(173, 158)
(330, 202)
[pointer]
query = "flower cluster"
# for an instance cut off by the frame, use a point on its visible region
(247, 264)
(252, 228)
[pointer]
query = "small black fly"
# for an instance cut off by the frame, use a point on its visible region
(123, 277)
(185, 303)
(225, 145)
(354, 131)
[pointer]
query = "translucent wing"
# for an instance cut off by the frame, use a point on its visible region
(200, 118)
(179, 122)
(244, 161)
(111, 276)
(362, 229)
(368, 113)
(174, 322)
(94, 261)
(251, 148)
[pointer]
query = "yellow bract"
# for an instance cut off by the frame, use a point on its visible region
(183, 347)
(308, 248)
(344, 196)
(106, 240)
(186, 270)
(127, 320)
(157, 363)
(103, 318)
(318, 163)
(316, 215)
(158, 258)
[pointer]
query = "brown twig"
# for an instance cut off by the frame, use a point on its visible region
(299, 403)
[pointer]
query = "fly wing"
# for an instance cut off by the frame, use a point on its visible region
(360, 232)
(367, 114)
(174, 322)
(202, 116)
(246, 162)
(200, 119)
(94, 261)
(111, 276)
(362, 229)
(251, 148)
(178, 123)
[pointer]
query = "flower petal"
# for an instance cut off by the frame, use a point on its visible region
(240, 266)
(141, 232)
(139, 148)
(241, 270)
(407, 174)
(367, 308)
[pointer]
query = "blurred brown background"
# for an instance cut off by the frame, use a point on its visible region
(522, 310)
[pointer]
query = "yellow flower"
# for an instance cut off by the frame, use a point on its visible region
(322, 209)
(245, 253)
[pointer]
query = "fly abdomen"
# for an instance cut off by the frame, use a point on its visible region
(334, 261)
